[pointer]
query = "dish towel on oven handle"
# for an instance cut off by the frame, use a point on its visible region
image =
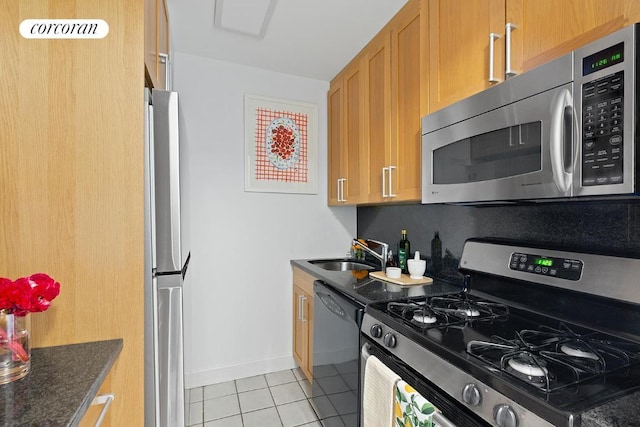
(378, 394)
(411, 409)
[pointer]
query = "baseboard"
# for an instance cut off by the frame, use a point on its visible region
(234, 372)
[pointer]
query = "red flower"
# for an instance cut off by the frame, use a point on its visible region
(5, 289)
(19, 295)
(28, 294)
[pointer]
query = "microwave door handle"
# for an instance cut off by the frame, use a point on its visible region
(559, 138)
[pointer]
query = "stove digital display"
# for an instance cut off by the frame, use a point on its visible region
(603, 59)
(547, 262)
(569, 269)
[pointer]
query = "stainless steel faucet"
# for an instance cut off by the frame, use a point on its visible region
(369, 245)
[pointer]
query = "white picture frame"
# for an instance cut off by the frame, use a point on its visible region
(281, 145)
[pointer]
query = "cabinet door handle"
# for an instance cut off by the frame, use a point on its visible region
(300, 307)
(164, 59)
(302, 299)
(492, 41)
(508, 72)
(384, 183)
(341, 190)
(103, 399)
(391, 193)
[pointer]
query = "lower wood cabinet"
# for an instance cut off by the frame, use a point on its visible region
(303, 321)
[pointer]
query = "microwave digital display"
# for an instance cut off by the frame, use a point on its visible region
(603, 59)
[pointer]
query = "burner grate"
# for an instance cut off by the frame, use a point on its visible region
(445, 311)
(551, 359)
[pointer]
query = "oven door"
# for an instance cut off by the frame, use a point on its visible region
(522, 150)
(450, 412)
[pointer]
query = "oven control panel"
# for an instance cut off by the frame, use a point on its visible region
(563, 268)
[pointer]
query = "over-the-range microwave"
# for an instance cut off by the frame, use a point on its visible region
(562, 130)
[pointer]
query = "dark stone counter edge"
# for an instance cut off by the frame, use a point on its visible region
(95, 387)
(61, 385)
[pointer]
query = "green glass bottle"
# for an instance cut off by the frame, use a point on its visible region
(404, 251)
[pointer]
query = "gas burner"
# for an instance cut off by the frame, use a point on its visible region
(528, 368)
(571, 349)
(470, 312)
(525, 365)
(422, 316)
(467, 308)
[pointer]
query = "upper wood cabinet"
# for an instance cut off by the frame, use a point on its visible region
(547, 29)
(345, 119)
(409, 89)
(383, 94)
(460, 48)
(377, 122)
(474, 44)
(156, 43)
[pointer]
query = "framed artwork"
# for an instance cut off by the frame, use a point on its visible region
(281, 146)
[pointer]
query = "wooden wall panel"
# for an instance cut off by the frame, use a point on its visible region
(71, 179)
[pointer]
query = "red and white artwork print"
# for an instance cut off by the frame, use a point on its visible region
(281, 146)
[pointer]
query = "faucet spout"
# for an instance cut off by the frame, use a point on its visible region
(369, 245)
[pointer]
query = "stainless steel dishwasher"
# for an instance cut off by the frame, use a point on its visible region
(336, 356)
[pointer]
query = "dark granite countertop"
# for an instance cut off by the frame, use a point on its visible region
(60, 386)
(622, 412)
(368, 290)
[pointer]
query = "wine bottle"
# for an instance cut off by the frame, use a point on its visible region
(436, 252)
(404, 251)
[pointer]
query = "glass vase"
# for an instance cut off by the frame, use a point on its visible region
(15, 349)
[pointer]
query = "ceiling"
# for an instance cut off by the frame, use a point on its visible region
(313, 39)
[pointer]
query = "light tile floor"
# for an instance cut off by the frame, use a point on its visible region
(278, 399)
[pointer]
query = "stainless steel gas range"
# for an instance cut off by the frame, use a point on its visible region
(539, 337)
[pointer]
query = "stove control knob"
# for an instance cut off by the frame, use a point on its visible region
(471, 395)
(376, 331)
(505, 416)
(389, 340)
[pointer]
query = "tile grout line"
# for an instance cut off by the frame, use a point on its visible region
(296, 380)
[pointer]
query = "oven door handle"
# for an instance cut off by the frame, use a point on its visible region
(364, 351)
(439, 419)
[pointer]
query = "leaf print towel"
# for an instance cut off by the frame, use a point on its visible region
(410, 408)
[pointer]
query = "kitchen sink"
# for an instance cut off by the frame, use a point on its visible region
(341, 265)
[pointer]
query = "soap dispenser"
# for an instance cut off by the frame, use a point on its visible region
(391, 261)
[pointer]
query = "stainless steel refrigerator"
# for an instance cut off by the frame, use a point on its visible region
(166, 260)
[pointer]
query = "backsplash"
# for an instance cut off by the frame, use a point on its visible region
(609, 227)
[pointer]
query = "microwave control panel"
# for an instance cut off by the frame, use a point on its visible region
(602, 136)
(563, 268)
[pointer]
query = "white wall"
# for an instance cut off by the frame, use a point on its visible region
(238, 292)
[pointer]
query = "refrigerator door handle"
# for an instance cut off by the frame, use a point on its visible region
(170, 345)
(156, 348)
(174, 191)
(152, 187)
